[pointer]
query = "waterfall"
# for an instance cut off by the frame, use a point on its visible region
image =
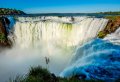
(35, 38)
(59, 31)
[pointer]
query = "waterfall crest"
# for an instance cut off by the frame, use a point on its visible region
(67, 31)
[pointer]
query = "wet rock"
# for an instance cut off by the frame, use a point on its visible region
(112, 26)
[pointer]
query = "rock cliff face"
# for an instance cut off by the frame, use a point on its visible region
(3, 32)
(112, 26)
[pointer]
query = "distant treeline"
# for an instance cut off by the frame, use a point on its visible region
(8, 11)
(110, 13)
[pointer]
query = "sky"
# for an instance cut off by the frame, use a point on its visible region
(62, 6)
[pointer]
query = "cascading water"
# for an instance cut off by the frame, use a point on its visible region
(57, 38)
(97, 59)
(54, 30)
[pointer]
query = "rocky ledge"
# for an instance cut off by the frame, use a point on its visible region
(112, 26)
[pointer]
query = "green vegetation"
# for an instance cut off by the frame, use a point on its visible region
(39, 74)
(2, 37)
(110, 13)
(102, 34)
(113, 18)
(7, 11)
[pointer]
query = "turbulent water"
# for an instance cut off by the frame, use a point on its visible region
(96, 59)
(57, 38)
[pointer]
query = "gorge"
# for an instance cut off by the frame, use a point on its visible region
(70, 43)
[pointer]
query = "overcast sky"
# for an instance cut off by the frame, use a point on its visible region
(62, 6)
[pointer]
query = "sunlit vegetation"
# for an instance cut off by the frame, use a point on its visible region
(8, 11)
(102, 34)
(113, 18)
(2, 37)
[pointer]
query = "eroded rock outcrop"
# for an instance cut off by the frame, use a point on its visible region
(112, 26)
